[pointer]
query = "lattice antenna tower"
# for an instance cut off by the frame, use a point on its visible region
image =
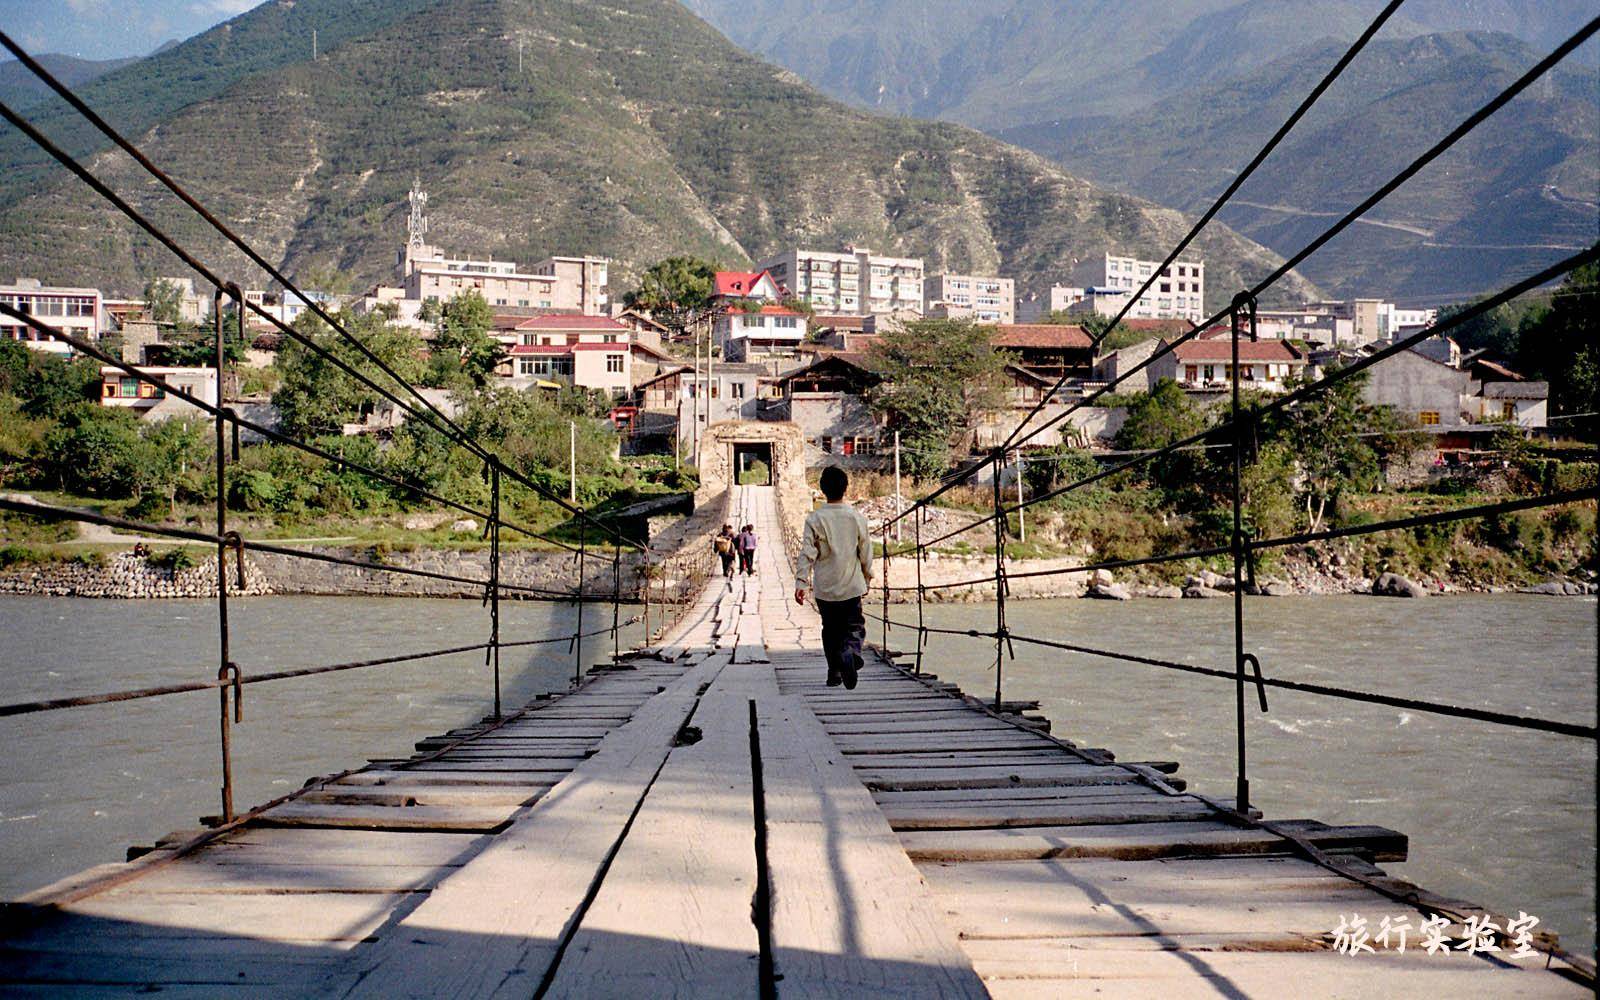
(417, 224)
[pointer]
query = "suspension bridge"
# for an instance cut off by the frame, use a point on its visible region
(702, 815)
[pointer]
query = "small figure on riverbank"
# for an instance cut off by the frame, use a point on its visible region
(722, 543)
(747, 543)
(836, 562)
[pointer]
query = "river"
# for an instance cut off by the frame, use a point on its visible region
(1503, 817)
(78, 786)
(1500, 816)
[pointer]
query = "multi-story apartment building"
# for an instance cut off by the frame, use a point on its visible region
(967, 296)
(562, 284)
(72, 310)
(1177, 293)
(854, 281)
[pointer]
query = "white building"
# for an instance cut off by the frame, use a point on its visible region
(1177, 293)
(855, 281)
(77, 311)
(591, 352)
(119, 389)
(968, 296)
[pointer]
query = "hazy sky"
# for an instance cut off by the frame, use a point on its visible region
(109, 29)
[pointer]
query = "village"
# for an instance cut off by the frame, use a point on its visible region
(792, 338)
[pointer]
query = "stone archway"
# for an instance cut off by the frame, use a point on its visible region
(787, 447)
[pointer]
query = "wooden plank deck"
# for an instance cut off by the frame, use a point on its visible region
(711, 819)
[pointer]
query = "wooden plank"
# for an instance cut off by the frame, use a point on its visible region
(404, 796)
(688, 868)
(499, 919)
(311, 875)
(456, 817)
(851, 916)
(1155, 809)
(1137, 841)
(337, 919)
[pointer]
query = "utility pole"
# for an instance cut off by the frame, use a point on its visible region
(519, 57)
(897, 500)
(572, 461)
(313, 44)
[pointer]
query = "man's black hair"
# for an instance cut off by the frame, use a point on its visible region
(833, 483)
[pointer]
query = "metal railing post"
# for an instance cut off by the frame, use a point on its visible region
(577, 633)
(886, 587)
(616, 604)
(1000, 638)
(225, 664)
(494, 578)
(1244, 307)
(922, 628)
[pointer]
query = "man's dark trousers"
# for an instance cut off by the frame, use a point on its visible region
(844, 628)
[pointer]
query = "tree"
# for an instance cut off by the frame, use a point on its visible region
(940, 378)
(54, 386)
(1324, 434)
(16, 359)
(316, 397)
(163, 301)
(532, 433)
(1164, 415)
(95, 451)
(676, 292)
(1564, 346)
(464, 353)
(170, 450)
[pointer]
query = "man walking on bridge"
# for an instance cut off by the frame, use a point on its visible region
(836, 560)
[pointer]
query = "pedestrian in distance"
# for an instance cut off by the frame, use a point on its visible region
(835, 563)
(747, 542)
(722, 543)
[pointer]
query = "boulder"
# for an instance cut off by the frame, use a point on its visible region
(1165, 592)
(1558, 588)
(1200, 591)
(1276, 588)
(1109, 592)
(1395, 585)
(1101, 578)
(464, 525)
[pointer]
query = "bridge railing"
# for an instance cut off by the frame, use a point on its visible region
(1237, 434)
(662, 585)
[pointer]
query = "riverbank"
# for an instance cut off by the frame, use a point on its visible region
(945, 578)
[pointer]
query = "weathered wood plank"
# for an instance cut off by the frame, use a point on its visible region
(1137, 841)
(455, 817)
(851, 916)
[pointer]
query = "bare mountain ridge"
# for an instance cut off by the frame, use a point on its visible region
(634, 131)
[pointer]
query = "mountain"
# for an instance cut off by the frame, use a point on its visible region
(632, 130)
(19, 88)
(1168, 104)
(1003, 63)
(1517, 193)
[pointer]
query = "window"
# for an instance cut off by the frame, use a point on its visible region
(128, 388)
(1211, 372)
(827, 444)
(1428, 418)
(147, 390)
(614, 364)
(865, 446)
(108, 389)
(849, 446)
(1166, 286)
(783, 322)
(736, 390)
(1191, 373)
(1508, 410)
(1247, 373)
(525, 366)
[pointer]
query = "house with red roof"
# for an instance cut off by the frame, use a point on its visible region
(591, 352)
(746, 285)
(1206, 364)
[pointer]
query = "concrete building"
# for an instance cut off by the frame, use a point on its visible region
(1034, 308)
(591, 352)
(1432, 384)
(559, 284)
(853, 281)
(827, 401)
(967, 296)
(683, 401)
(1177, 293)
(76, 311)
(767, 331)
(119, 389)
(1207, 365)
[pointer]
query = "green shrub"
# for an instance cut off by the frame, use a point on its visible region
(175, 560)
